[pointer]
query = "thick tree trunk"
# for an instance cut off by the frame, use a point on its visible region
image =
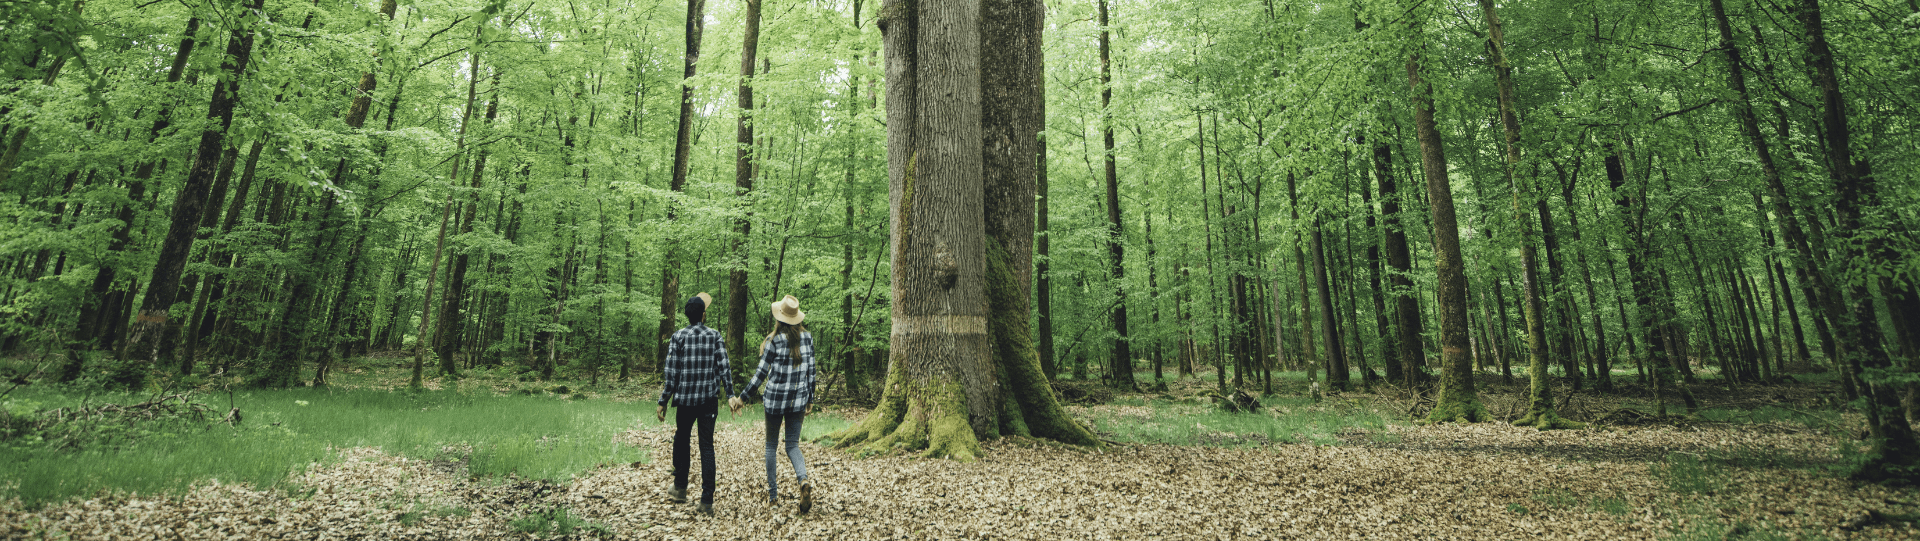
(1458, 402)
(942, 391)
(164, 284)
(1042, 265)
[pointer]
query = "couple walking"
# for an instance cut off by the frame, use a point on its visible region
(697, 369)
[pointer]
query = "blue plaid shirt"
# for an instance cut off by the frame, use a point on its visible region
(696, 367)
(789, 384)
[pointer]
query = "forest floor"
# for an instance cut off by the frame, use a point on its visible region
(1174, 468)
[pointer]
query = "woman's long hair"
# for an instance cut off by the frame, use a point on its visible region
(793, 339)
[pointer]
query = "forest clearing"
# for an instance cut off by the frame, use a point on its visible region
(1176, 467)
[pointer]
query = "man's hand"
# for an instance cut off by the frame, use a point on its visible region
(660, 413)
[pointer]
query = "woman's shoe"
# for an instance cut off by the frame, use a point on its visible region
(806, 497)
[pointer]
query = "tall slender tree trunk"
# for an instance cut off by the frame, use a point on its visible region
(670, 299)
(422, 340)
(1338, 375)
(1406, 301)
(191, 201)
(1778, 286)
(1206, 220)
(1389, 348)
(1648, 294)
(453, 305)
(1309, 355)
(1603, 355)
(1894, 452)
(1458, 402)
(1540, 412)
(1153, 294)
(1122, 363)
(743, 169)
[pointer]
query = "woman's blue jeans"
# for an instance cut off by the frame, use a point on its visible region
(792, 422)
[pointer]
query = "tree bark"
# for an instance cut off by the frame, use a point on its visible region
(1410, 344)
(670, 300)
(1458, 402)
(941, 393)
(1540, 411)
(743, 169)
(1338, 375)
(1389, 348)
(1894, 453)
(164, 284)
(453, 305)
(1122, 363)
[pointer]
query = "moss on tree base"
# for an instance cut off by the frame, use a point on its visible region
(1458, 407)
(925, 417)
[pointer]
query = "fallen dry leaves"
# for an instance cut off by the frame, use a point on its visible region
(1451, 482)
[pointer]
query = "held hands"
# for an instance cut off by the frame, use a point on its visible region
(734, 404)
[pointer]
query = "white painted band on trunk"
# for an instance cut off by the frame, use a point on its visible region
(942, 324)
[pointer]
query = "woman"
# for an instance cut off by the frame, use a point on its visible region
(786, 367)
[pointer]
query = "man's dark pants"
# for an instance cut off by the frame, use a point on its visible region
(684, 418)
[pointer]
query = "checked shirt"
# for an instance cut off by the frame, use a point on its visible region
(696, 367)
(789, 384)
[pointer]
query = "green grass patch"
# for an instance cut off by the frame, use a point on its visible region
(1283, 419)
(1706, 529)
(1686, 473)
(557, 520)
(1561, 498)
(538, 436)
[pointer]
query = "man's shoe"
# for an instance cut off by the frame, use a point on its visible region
(806, 497)
(706, 509)
(677, 494)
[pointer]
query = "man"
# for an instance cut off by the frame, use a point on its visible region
(696, 371)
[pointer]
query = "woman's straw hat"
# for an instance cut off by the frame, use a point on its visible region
(788, 311)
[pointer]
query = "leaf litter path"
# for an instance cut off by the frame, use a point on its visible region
(1446, 482)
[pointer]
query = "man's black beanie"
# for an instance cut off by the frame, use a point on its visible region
(696, 310)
